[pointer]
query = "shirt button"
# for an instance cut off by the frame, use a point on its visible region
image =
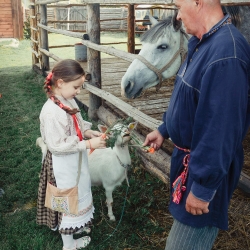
(191, 60)
(196, 49)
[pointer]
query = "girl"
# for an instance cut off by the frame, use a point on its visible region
(64, 142)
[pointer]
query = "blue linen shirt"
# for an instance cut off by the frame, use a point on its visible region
(209, 113)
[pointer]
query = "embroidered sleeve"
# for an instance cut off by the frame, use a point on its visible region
(58, 131)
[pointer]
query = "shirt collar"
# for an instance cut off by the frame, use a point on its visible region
(224, 21)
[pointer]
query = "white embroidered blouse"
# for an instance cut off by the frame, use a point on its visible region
(58, 130)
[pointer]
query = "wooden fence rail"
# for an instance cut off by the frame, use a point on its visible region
(105, 49)
(159, 163)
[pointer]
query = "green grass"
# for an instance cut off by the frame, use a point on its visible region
(20, 164)
(145, 222)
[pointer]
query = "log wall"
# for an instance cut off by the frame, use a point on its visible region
(11, 19)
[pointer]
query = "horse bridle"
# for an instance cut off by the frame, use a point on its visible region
(181, 51)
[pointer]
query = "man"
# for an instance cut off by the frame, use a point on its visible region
(207, 119)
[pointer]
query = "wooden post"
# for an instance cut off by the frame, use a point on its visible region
(20, 19)
(44, 37)
(33, 23)
(15, 23)
(17, 17)
(131, 28)
(94, 60)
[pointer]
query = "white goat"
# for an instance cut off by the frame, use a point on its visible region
(108, 167)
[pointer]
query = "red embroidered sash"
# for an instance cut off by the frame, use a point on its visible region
(179, 184)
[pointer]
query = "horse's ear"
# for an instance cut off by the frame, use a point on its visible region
(153, 20)
(176, 23)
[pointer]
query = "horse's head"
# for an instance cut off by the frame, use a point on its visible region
(160, 57)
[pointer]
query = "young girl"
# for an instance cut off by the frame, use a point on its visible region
(64, 142)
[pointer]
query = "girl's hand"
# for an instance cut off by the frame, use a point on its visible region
(96, 142)
(92, 133)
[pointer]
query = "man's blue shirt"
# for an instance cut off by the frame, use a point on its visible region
(209, 113)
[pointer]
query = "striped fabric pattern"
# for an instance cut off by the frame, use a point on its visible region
(183, 237)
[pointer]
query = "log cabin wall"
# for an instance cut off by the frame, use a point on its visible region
(11, 19)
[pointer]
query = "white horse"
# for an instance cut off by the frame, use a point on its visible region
(163, 49)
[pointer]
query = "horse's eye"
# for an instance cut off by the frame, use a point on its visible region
(162, 46)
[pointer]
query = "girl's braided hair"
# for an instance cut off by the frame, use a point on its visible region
(68, 70)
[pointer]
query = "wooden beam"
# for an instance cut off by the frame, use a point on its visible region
(48, 1)
(53, 56)
(44, 38)
(14, 18)
(20, 20)
(105, 49)
(131, 28)
(126, 108)
(161, 2)
(94, 59)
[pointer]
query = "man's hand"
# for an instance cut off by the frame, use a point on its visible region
(154, 140)
(196, 206)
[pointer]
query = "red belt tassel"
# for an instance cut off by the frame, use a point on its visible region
(179, 184)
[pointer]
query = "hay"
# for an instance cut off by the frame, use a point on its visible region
(236, 238)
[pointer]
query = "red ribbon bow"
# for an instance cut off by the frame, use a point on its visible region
(49, 77)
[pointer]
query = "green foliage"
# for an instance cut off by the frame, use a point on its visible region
(113, 132)
(26, 29)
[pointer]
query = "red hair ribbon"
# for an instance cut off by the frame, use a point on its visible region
(49, 76)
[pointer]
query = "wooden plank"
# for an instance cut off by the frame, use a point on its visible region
(6, 34)
(5, 19)
(149, 2)
(20, 20)
(131, 29)
(6, 12)
(48, 1)
(94, 59)
(6, 26)
(126, 108)
(5, 7)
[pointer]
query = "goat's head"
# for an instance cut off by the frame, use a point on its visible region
(119, 133)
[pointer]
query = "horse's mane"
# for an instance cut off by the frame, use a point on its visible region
(153, 34)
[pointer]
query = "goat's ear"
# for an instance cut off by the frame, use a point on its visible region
(102, 128)
(132, 126)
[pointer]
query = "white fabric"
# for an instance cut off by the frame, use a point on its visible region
(58, 132)
(65, 171)
(68, 242)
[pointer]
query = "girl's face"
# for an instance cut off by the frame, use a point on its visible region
(69, 90)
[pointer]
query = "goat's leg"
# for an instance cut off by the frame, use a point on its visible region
(109, 201)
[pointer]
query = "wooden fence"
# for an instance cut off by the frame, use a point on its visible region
(153, 163)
